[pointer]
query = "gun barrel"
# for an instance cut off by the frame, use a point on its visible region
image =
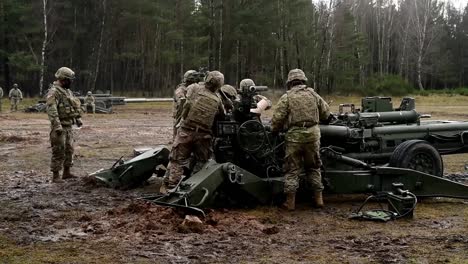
(401, 117)
(258, 88)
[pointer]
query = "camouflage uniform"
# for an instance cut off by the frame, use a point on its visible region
(228, 95)
(180, 98)
(63, 110)
(15, 96)
(1, 97)
(90, 101)
(194, 135)
(299, 111)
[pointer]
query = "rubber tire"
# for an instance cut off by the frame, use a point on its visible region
(100, 104)
(405, 152)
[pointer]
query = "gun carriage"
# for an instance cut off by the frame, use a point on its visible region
(376, 150)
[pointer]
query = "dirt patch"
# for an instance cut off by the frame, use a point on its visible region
(81, 222)
(12, 139)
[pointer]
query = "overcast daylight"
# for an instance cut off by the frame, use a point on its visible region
(233, 131)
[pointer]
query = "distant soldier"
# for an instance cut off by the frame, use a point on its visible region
(63, 110)
(90, 102)
(1, 97)
(180, 94)
(262, 102)
(15, 97)
(299, 111)
(195, 133)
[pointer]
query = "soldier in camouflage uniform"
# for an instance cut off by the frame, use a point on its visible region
(90, 101)
(263, 103)
(299, 111)
(63, 110)
(228, 95)
(195, 133)
(180, 96)
(15, 96)
(1, 97)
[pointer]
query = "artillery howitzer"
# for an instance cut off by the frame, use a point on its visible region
(247, 169)
(378, 135)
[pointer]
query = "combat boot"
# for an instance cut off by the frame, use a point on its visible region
(318, 199)
(56, 177)
(67, 174)
(290, 203)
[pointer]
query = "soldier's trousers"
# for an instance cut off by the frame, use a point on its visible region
(302, 157)
(186, 143)
(14, 104)
(62, 148)
(92, 107)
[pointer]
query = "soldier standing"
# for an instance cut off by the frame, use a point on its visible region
(299, 111)
(15, 96)
(1, 97)
(195, 133)
(90, 101)
(63, 110)
(180, 96)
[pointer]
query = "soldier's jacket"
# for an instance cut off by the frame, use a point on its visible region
(201, 108)
(179, 101)
(299, 111)
(15, 94)
(1, 93)
(62, 106)
(193, 90)
(89, 99)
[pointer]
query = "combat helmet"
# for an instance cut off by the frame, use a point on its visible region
(190, 76)
(296, 74)
(90, 93)
(65, 73)
(229, 91)
(15, 85)
(246, 83)
(214, 79)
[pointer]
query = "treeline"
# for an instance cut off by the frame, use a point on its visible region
(144, 46)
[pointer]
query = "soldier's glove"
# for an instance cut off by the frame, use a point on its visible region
(78, 122)
(330, 119)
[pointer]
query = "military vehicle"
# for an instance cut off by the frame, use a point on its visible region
(378, 150)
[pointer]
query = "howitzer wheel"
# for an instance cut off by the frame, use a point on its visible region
(251, 136)
(100, 104)
(418, 155)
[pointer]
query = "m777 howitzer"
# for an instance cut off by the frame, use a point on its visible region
(247, 167)
(378, 134)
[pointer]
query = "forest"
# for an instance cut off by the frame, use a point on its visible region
(143, 47)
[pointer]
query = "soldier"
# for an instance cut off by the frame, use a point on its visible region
(195, 133)
(90, 102)
(15, 96)
(180, 94)
(299, 111)
(63, 110)
(1, 97)
(262, 102)
(228, 95)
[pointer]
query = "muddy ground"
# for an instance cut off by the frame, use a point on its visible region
(78, 222)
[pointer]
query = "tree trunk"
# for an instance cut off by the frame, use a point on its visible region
(4, 41)
(101, 39)
(44, 47)
(221, 32)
